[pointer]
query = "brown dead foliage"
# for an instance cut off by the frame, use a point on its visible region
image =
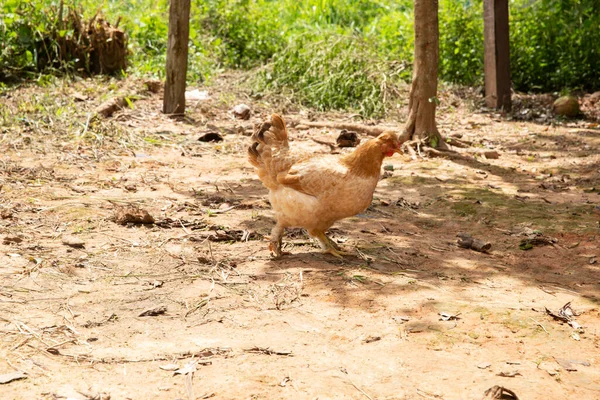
(95, 47)
(132, 214)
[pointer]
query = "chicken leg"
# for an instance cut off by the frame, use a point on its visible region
(275, 240)
(328, 245)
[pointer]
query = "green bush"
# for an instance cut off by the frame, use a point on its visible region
(333, 71)
(393, 35)
(354, 14)
(24, 28)
(461, 41)
(555, 44)
(244, 33)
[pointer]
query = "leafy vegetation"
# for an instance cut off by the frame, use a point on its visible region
(555, 45)
(23, 28)
(461, 41)
(326, 53)
(334, 73)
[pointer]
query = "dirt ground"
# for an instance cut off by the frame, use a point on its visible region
(193, 306)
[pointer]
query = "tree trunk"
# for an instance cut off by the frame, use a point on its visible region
(497, 54)
(177, 57)
(423, 92)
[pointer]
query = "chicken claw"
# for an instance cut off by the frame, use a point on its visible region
(275, 248)
(328, 245)
(337, 253)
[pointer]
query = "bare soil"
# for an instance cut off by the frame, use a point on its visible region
(95, 309)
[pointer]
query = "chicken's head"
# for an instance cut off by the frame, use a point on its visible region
(389, 143)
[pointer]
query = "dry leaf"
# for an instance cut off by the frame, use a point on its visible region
(509, 374)
(169, 367)
(12, 376)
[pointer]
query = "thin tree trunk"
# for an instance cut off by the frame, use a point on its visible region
(177, 57)
(497, 54)
(421, 118)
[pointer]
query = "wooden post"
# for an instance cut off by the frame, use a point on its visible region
(497, 54)
(177, 57)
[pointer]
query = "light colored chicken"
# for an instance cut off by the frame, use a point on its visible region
(313, 191)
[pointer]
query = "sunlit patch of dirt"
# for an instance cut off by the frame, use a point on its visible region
(410, 315)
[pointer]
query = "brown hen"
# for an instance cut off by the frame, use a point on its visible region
(313, 191)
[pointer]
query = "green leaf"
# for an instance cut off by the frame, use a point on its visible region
(526, 246)
(434, 141)
(129, 102)
(434, 100)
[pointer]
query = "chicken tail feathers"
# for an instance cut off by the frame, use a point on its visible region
(278, 128)
(259, 135)
(269, 137)
(272, 133)
(254, 155)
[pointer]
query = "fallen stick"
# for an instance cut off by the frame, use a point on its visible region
(368, 130)
(468, 242)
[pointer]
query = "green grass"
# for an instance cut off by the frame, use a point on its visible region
(340, 72)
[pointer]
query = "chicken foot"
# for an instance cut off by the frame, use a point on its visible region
(275, 241)
(328, 245)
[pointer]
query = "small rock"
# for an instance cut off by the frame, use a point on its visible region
(302, 127)
(347, 139)
(566, 106)
(211, 137)
(73, 241)
(241, 111)
(491, 155)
